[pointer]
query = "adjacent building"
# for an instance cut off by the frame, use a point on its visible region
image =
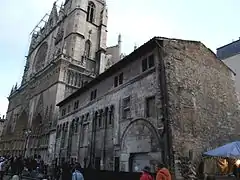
(230, 55)
(67, 50)
(170, 98)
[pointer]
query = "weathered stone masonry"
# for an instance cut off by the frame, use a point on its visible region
(202, 107)
(203, 104)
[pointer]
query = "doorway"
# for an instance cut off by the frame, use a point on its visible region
(137, 161)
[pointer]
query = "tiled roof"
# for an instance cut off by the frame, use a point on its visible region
(228, 50)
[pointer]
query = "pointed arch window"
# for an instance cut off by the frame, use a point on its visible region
(91, 11)
(87, 48)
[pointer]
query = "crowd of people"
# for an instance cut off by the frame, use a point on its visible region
(16, 167)
(34, 167)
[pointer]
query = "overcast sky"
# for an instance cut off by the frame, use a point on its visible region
(214, 22)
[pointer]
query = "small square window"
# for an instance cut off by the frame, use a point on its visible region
(144, 64)
(64, 112)
(69, 108)
(116, 81)
(121, 78)
(151, 62)
(76, 104)
(93, 95)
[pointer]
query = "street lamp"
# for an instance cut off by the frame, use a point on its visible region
(27, 133)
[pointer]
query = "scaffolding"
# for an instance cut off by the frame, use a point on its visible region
(44, 20)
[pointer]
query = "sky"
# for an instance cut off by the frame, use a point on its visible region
(212, 22)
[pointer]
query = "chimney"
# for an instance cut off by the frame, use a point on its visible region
(3, 116)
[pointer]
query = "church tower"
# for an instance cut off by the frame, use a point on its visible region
(67, 50)
(85, 36)
(81, 35)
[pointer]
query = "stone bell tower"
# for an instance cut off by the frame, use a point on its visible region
(86, 33)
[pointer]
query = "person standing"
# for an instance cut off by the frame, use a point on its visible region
(146, 175)
(77, 175)
(162, 172)
(1, 168)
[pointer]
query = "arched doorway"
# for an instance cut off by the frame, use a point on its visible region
(140, 146)
(19, 126)
(36, 134)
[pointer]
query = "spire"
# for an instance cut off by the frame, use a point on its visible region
(119, 39)
(61, 12)
(15, 88)
(135, 46)
(53, 18)
(12, 90)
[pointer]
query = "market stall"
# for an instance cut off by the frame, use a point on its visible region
(224, 160)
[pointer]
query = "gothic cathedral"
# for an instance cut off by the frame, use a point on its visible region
(67, 52)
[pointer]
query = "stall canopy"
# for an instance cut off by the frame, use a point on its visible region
(230, 150)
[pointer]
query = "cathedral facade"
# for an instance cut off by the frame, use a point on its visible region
(67, 52)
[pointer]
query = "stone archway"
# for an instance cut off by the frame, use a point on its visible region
(139, 144)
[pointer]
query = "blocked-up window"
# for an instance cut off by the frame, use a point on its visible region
(85, 135)
(150, 107)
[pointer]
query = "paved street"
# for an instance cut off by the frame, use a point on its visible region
(9, 178)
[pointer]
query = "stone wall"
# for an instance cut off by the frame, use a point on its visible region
(133, 135)
(203, 104)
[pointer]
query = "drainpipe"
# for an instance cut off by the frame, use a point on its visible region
(106, 117)
(69, 144)
(93, 139)
(167, 131)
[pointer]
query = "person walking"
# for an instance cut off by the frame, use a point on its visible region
(77, 175)
(2, 161)
(162, 172)
(146, 175)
